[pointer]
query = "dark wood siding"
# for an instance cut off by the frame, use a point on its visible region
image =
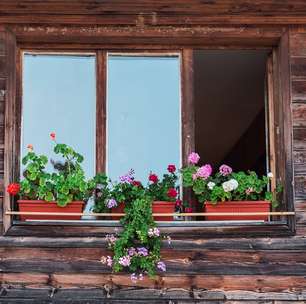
(220, 270)
(298, 89)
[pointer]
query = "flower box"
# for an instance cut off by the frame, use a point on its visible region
(237, 207)
(44, 206)
(118, 209)
(157, 207)
(163, 207)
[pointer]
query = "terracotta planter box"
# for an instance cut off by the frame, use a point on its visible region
(118, 209)
(237, 206)
(44, 206)
(157, 207)
(163, 207)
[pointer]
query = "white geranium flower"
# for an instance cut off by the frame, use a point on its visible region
(234, 183)
(230, 185)
(227, 186)
(211, 185)
(270, 175)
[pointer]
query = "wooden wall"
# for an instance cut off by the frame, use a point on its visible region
(221, 270)
(298, 97)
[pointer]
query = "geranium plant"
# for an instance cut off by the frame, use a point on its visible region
(137, 247)
(226, 185)
(165, 189)
(68, 183)
(110, 194)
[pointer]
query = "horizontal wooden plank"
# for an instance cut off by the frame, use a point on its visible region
(153, 12)
(299, 138)
(152, 35)
(168, 254)
(173, 267)
(293, 243)
(297, 44)
(298, 67)
(139, 294)
(299, 114)
(86, 7)
(300, 186)
(269, 229)
(300, 207)
(277, 286)
(298, 90)
(151, 19)
(299, 157)
(223, 282)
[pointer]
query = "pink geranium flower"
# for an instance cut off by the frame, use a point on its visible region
(225, 170)
(193, 158)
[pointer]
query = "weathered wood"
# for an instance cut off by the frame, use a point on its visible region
(298, 90)
(166, 36)
(101, 58)
(139, 294)
(299, 138)
(173, 267)
(188, 123)
(168, 254)
(293, 243)
(300, 207)
(300, 186)
(10, 126)
(283, 121)
(299, 114)
(154, 12)
(177, 232)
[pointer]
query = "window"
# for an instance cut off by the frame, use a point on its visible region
(63, 101)
(143, 114)
(118, 90)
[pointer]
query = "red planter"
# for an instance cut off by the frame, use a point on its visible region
(118, 209)
(237, 206)
(157, 207)
(163, 207)
(44, 206)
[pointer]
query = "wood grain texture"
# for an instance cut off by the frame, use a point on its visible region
(204, 265)
(148, 12)
(141, 295)
(188, 125)
(160, 35)
(101, 58)
(8, 72)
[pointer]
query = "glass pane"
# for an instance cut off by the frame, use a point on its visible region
(143, 115)
(59, 94)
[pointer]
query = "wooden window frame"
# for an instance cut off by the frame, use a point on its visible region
(278, 40)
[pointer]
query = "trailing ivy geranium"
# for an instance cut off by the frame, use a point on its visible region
(137, 247)
(226, 185)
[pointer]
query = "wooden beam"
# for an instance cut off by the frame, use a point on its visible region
(10, 152)
(101, 73)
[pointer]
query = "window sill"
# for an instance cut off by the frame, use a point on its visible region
(177, 229)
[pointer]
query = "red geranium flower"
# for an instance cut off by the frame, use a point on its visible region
(153, 178)
(30, 147)
(137, 183)
(171, 168)
(172, 193)
(13, 189)
(52, 135)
